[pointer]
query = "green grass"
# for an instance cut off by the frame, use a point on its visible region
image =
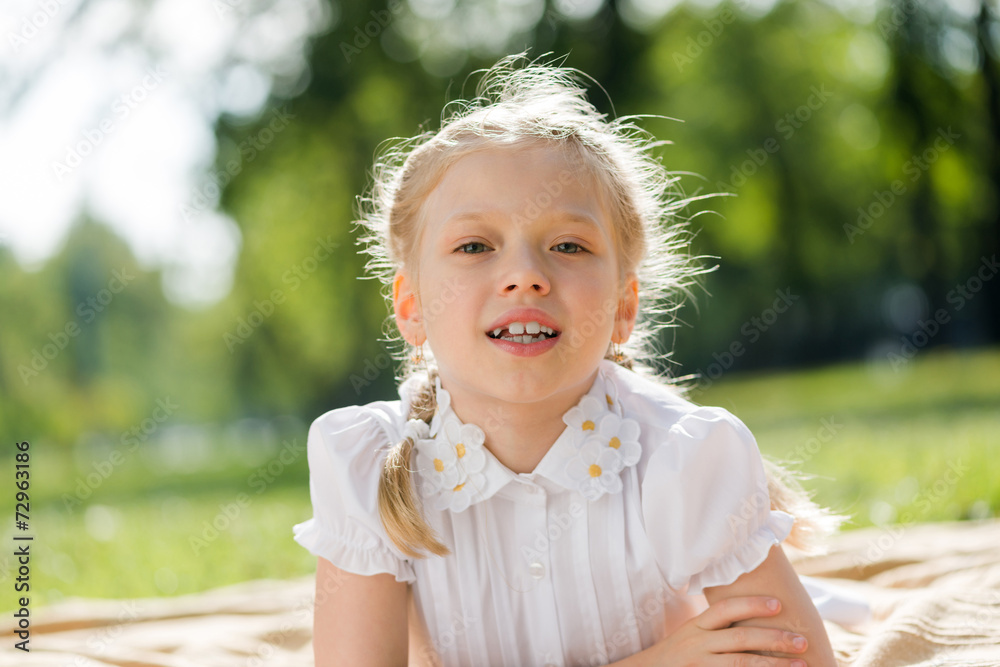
(893, 439)
(922, 444)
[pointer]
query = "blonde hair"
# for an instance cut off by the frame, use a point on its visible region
(518, 103)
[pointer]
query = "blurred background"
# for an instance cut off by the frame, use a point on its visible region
(179, 279)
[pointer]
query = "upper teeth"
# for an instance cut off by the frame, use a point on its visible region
(518, 328)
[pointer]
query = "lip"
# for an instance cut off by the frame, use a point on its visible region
(525, 315)
(525, 349)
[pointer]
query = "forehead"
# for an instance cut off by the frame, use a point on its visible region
(532, 181)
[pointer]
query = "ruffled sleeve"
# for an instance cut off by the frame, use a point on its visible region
(705, 502)
(346, 450)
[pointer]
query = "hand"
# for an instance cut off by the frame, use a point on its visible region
(707, 639)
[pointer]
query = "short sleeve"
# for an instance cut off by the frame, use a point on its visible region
(346, 450)
(705, 502)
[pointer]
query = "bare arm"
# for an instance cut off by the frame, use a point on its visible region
(359, 620)
(776, 578)
(710, 640)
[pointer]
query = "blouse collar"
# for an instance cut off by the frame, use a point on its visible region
(455, 470)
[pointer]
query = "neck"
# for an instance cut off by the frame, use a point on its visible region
(519, 435)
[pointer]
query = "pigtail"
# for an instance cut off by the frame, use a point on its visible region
(398, 507)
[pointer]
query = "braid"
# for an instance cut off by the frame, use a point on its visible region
(398, 507)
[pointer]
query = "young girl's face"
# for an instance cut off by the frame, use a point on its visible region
(517, 284)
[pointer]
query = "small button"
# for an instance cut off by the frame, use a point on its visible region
(536, 570)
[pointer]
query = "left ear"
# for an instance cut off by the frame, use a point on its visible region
(627, 311)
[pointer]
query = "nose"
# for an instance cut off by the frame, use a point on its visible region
(524, 272)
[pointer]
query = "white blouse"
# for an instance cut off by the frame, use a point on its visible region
(643, 501)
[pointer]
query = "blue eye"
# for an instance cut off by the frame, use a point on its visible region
(568, 247)
(473, 248)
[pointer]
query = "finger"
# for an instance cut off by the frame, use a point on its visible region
(756, 661)
(750, 638)
(724, 613)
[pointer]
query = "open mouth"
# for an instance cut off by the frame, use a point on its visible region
(523, 332)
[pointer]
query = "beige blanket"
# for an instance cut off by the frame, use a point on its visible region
(934, 590)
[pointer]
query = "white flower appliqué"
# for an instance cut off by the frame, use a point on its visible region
(605, 444)
(451, 464)
(620, 434)
(583, 418)
(454, 469)
(595, 469)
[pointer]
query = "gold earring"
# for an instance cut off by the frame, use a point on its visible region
(418, 355)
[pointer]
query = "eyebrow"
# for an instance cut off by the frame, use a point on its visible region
(563, 215)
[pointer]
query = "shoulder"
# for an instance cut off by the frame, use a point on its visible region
(362, 428)
(347, 447)
(675, 432)
(660, 407)
(378, 423)
(703, 489)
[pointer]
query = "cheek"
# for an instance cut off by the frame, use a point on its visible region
(596, 287)
(448, 304)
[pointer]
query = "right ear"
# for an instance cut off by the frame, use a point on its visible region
(406, 307)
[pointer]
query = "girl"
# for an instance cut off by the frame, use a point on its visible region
(531, 499)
